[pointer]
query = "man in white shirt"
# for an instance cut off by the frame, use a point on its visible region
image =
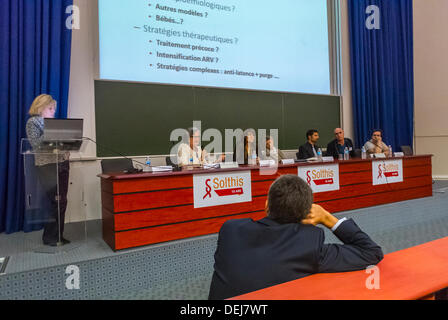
(376, 144)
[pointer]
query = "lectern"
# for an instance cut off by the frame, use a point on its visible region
(45, 163)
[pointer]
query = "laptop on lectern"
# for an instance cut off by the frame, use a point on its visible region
(63, 134)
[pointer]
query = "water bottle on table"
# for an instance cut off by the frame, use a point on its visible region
(319, 154)
(346, 154)
(147, 165)
(363, 153)
(253, 158)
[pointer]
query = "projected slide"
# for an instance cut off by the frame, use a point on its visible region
(277, 45)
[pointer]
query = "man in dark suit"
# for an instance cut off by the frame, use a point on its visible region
(338, 145)
(309, 149)
(286, 245)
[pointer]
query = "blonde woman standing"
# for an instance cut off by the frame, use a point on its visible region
(44, 106)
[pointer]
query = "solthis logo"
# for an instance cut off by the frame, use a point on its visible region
(223, 187)
(320, 177)
(389, 170)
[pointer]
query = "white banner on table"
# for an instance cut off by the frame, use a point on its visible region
(221, 188)
(387, 171)
(321, 178)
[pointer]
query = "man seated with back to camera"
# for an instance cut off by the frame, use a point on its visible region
(286, 245)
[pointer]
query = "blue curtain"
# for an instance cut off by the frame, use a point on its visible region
(382, 71)
(35, 50)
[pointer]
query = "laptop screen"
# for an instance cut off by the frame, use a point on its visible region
(62, 129)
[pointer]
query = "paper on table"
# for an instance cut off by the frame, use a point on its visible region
(211, 166)
(162, 168)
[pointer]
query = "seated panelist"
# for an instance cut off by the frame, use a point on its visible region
(250, 151)
(192, 153)
(338, 145)
(309, 149)
(376, 144)
(272, 153)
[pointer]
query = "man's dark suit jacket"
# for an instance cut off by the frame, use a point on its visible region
(252, 255)
(306, 151)
(332, 149)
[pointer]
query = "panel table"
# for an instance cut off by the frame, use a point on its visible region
(147, 208)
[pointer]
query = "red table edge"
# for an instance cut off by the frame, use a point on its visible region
(424, 294)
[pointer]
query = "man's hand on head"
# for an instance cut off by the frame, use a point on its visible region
(319, 215)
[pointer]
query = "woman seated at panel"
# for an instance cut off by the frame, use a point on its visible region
(192, 154)
(250, 152)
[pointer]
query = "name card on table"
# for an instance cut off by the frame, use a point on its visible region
(228, 165)
(288, 161)
(378, 155)
(387, 171)
(321, 178)
(218, 189)
(267, 163)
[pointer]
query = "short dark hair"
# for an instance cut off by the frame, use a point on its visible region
(377, 130)
(289, 199)
(310, 132)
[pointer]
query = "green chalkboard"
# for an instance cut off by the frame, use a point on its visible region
(137, 118)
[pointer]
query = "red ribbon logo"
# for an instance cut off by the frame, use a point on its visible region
(380, 172)
(208, 189)
(308, 178)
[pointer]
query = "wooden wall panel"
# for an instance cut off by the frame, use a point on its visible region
(153, 184)
(108, 228)
(149, 200)
(375, 199)
(356, 190)
(147, 218)
(129, 239)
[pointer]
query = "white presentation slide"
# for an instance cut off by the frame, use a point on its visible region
(264, 45)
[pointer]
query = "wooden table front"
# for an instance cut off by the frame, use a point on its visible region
(147, 208)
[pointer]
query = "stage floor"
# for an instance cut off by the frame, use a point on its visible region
(393, 226)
